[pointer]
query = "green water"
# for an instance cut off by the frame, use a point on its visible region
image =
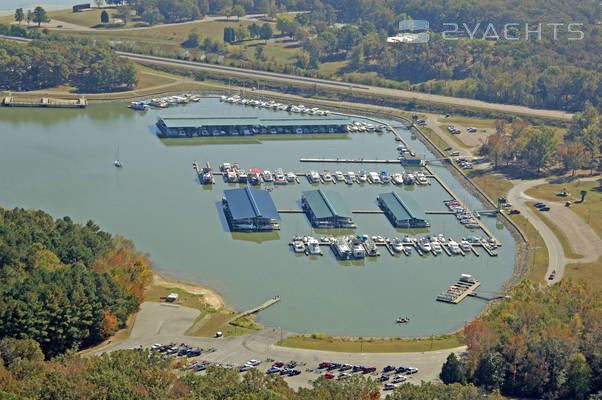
(61, 161)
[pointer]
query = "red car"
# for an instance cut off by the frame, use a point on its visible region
(514, 212)
(367, 370)
(324, 364)
(278, 364)
(328, 375)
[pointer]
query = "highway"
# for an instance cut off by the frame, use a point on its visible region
(324, 83)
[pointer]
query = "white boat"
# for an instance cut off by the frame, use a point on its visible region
(454, 248)
(267, 176)
(326, 176)
(291, 177)
(314, 176)
(441, 239)
(436, 247)
(397, 246)
(138, 105)
(298, 246)
(398, 179)
(464, 245)
(358, 250)
(362, 177)
(424, 244)
(313, 245)
(279, 175)
(117, 162)
(222, 98)
(351, 176)
(339, 176)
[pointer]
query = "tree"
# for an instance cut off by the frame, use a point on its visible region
(99, 3)
(540, 148)
(124, 13)
(104, 17)
(578, 377)
(239, 11)
(29, 16)
(259, 55)
(254, 30)
(151, 16)
(227, 11)
(573, 155)
(39, 15)
(19, 15)
(266, 32)
(451, 372)
(194, 39)
(109, 323)
(241, 32)
(229, 35)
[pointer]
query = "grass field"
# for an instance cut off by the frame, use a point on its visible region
(589, 272)
(378, 345)
(436, 139)
(154, 293)
(207, 325)
(493, 185)
(590, 210)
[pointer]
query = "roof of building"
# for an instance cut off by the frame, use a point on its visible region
(402, 209)
(195, 122)
(250, 203)
(326, 204)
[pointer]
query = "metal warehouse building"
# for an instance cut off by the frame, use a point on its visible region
(326, 209)
(402, 213)
(249, 209)
(186, 126)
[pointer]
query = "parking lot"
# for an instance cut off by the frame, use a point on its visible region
(236, 351)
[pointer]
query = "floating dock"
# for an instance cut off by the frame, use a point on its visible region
(260, 307)
(46, 102)
(465, 286)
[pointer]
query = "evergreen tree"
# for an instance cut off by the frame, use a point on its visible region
(19, 15)
(451, 372)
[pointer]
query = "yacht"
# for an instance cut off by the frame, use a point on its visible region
(291, 177)
(298, 246)
(351, 176)
(454, 248)
(254, 178)
(279, 177)
(425, 245)
(139, 106)
(313, 245)
(358, 249)
(362, 177)
(441, 239)
(371, 248)
(339, 176)
(436, 247)
(242, 175)
(398, 179)
(231, 176)
(384, 177)
(464, 245)
(341, 249)
(409, 179)
(314, 177)
(267, 176)
(326, 176)
(397, 246)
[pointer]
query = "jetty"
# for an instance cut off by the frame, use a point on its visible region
(46, 102)
(254, 310)
(465, 286)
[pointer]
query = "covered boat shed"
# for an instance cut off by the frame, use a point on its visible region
(326, 209)
(402, 213)
(189, 126)
(249, 209)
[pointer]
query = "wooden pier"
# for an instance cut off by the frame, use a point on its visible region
(260, 307)
(46, 102)
(466, 289)
(348, 161)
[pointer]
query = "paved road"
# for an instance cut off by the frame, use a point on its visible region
(580, 235)
(163, 323)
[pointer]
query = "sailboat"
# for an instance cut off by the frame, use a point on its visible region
(117, 162)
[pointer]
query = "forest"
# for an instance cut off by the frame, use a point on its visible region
(558, 68)
(544, 342)
(64, 285)
(44, 63)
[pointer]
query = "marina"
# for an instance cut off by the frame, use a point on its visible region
(156, 201)
(465, 286)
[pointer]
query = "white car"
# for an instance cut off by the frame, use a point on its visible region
(253, 363)
(400, 379)
(156, 346)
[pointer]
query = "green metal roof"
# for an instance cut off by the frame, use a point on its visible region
(326, 204)
(402, 209)
(195, 122)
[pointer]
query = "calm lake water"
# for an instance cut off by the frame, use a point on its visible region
(60, 161)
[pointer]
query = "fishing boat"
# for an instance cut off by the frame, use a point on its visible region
(313, 246)
(327, 176)
(117, 162)
(339, 176)
(298, 246)
(291, 177)
(267, 176)
(402, 320)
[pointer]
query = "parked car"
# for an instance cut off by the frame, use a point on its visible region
(292, 364)
(284, 371)
(539, 205)
(383, 378)
(254, 363)
(546, 208)
(294, 372)
(454, 153)
(345, 367)
(390, 386)
(357, 368)
(448, 149)
(200, 367)
(278, 364)
(368, 370)
(333, 366)
(514, 212)
(399, 379)
(344, 375)
(411, 370)
(324, 364)
(388, 368)
(328, 375)
(272, 370)
(401, 370)
(552, 275)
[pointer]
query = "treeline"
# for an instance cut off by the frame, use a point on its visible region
(544, 342)
(537, 147)
(65, 285)
(133, 374)
(48, 63)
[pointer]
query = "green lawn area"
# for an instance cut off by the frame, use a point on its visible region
(333, 67)
(378, 345)
(589, 272)
(154, 293)
(146, 80)
(207, 325)
(88, 18)
(493, 185)
(469, 121)
(590, 210)
(436, 139)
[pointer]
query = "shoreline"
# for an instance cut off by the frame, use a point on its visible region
(210, 296)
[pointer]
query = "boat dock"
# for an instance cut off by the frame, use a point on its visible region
(260, 307)
(348, 161)
(47, 102)
(465, 286)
